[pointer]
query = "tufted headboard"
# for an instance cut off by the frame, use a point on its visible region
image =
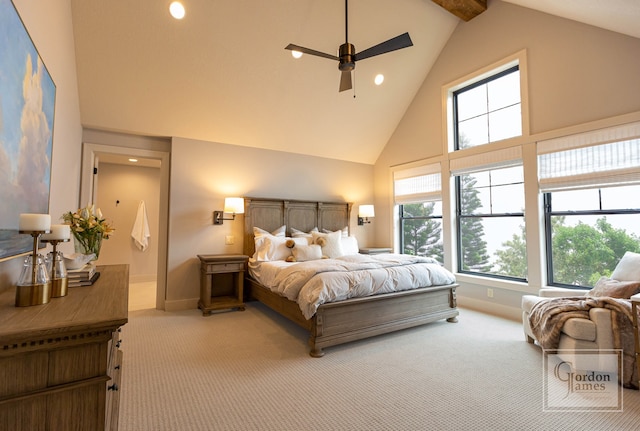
(270, 214)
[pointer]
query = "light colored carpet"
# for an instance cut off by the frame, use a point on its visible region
(251, 371)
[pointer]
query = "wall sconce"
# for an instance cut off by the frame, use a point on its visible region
(231, 205)
(364, 212)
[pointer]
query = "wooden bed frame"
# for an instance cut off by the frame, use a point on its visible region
(353, 319)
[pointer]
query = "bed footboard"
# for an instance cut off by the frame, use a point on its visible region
(359, 318)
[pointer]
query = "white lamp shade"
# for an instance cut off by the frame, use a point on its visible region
(366, 211)
(234, 205)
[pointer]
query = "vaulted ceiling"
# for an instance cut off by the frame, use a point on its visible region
(222, 74)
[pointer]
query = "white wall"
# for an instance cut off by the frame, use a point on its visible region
(576, 74)
(203, 173)
(49, 25)
(129, 185)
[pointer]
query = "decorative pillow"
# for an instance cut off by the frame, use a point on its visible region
(303, 253)
(331, 243)
(628, 269)
(277, 248)
(614, 288)
(349, 245)
(344, 231)
(257, 232)
(300, 234)
(259, 235)
(297, 233)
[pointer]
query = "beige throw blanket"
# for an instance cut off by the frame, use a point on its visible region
(548, 317)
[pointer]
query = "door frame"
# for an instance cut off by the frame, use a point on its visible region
(88, 189)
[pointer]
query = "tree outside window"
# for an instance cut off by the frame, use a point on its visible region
(422, 229)
(588, 232)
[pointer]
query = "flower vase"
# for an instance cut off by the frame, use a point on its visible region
(89, 244)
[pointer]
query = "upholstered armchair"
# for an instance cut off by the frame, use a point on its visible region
(576, 333)
(595, 319)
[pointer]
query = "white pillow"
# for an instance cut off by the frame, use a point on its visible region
(349, 245)
(259, 235)
(303, 253)
(332, 247)
(628, 269)
(275, 248)
(300, 234)
(257, 232)
(344, 231)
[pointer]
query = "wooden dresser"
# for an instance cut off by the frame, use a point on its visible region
(60, 362)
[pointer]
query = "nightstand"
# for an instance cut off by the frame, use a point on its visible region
(635, 301)
(221, 282)
(375, 250)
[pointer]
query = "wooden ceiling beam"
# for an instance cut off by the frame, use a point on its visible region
(466, 10)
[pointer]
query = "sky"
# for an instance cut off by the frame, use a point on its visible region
(27, 102)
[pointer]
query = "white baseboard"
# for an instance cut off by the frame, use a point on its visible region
(511, 313)
(181, 304)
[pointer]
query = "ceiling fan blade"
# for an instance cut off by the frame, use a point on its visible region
(345, 80)
(398, 42)
(304, 50)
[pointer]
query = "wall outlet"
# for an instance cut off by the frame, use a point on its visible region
(490, 293)
(229, 240)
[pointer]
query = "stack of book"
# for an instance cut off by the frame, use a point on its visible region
(84, 276)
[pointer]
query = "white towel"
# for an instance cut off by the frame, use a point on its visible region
(140, 232)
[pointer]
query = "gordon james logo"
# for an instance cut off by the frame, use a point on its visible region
(590, 381)
(582, 380)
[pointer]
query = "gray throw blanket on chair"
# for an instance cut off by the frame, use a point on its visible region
(548, 317)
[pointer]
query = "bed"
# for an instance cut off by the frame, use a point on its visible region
(347, 320)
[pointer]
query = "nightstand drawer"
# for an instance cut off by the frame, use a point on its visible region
(222, 267)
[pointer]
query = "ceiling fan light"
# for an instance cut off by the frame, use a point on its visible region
(296, 54)
(177, 10)
(379, 79)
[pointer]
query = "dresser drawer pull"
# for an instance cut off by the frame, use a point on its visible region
(113, 387)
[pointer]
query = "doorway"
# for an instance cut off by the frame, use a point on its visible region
(118, 187)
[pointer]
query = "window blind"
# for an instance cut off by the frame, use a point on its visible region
(418, 184)
(486, 161)
(601, 158)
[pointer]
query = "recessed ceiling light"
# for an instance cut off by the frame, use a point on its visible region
(177, 10)
(379, 79)
(296, 54)
(133, 160)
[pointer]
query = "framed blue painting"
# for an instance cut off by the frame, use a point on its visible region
(27, 106)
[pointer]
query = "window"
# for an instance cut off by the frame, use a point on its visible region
(421, 229)
(489, 181)
(488, 110)
(588, 232)
(417, 191)
(490, 223)
(592, 202)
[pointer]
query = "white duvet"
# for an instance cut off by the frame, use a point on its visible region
(316, 282)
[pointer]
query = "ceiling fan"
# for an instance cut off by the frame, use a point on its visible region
(347, 55)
